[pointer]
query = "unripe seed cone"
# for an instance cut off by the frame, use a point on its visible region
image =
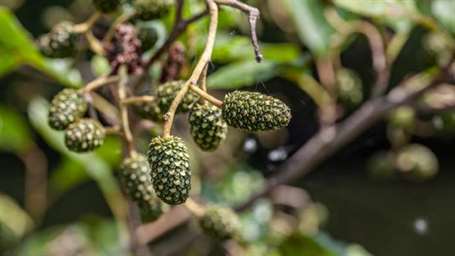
(60, 42)
(170, 168)
(254, 111)
(106, 6)
(151, 9)
(148, 36)
(66, 107)
(167, 93)
(150, 110)
(220, 223)
(84, 135)
(137, 183)
(207, 126)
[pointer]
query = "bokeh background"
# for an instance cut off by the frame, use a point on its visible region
(351, 212)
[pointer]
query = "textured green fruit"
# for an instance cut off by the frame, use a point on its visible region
(148, 36)
(67, 107)
(106, 6)
(417, 163)
(150, 110)
(170, 163)
(137, 183)
(207, 126)
(349, 88)
(220, 223)
(151, 9)
(60, 42)
(254, 111)
(84, 135)
(167, 92)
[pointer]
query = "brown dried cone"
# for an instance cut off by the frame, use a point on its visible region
(170, 168)
(254, 111)
(66, 108)
(84, 135)
(220, 223)
(125, 49)
(174, 63)
(137, 183)
(207, 126)
(167, 93)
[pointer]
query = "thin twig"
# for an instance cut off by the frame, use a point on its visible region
(124, 110)
(195, 208)
(87, 25)
(204, 95)
(253, 16)
(198, 70)
(139, 99)
(94, 44)
(100, 81)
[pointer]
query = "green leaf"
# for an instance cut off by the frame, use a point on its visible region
(14, 217)
(15, 135)
(17, 48)
(67, 175)
(444, 11)
(235, 48)
(299, 244)
(242, 74)
(312, 27)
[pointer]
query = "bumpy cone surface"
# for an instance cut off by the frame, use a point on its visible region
(60, 42)
(136, 181)
(254, 111)
(167, 93)
(417, 162)
(151, 9)
(220, 223)
(84, 135)
(150, 110)
(207, 126)
(148, 37)
(106, 6)
(66, 108)
(171, 174)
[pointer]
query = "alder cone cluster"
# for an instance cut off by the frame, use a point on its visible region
(84, 135)
(60, 42)
(220, 223)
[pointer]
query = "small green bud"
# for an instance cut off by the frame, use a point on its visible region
(152, 9)
(254, 111)
(148, 36)
(106, 6)
(84, 135)
(170, 168)
(349, 88)
(417, 163)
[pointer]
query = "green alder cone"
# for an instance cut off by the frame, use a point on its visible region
(167, 93)
(170, 168)
(152, 9)
(66, 107)
(137, 183)
(417, 163)
(254, 111)
(106, 6)
(60, 42)
(208, 128)
(84, 135)
(150, 110)
(220, 223)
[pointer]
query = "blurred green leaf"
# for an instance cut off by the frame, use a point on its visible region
(234, 48)
(444, 11)
(312, 27)
(17, 48)
(15, 135)
(67, 175)
(240, 74)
